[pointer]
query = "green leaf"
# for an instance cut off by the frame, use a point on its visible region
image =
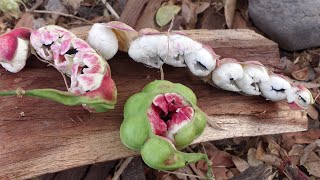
(166, 13)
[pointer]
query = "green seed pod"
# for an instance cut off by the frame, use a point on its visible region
(160, 119)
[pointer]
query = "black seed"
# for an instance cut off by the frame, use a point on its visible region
(83, 68)
(278, 90)
(72, 51)
(48, 45)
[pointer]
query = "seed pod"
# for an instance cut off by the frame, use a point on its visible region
(225, 75)
(275, 89)
(15, 49)
(90, 74)
(253, 74)
(161, 119)
(156, 49)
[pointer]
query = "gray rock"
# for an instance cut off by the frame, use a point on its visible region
(293, 24)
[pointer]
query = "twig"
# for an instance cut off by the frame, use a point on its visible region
(122, 168)
(165, 59)
(161, 73)
(60, 13)
(51, 64)
(183, 174)
(112, 11)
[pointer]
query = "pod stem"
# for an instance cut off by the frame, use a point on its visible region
(195, 157)
(63, 97)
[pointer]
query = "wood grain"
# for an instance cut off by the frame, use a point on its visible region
(52, 137)
(242, 44)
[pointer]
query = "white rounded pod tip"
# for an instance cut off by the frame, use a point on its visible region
(103, 40)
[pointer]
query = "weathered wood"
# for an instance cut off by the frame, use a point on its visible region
(242, 44)
(52, 137)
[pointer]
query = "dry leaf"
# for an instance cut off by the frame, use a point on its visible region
(229, 175)
(212, 19)
(229, 11)
(313, 112)
(312, 164)
(74, 4)
(221, 159)
(302, 74)
(295, 153)
(251, 157)
(289, 139)
(241, 164)
(26, 20)
(297, 150)
(220, 173)
(57, 6)
(308, 149)
(239, 22)
(166, 13)
(268, 158)
(189, 13)
(202, 6)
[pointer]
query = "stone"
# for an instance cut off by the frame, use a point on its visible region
(293, 24)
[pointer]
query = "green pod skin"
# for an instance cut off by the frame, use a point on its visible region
(66, 98)
(158, 152)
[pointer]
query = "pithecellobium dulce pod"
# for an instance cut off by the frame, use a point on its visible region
(91, 83)
(161, 119)
(15, 49)
(252, 78)
(154, 49)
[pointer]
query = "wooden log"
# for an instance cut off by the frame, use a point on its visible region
(40, 136)
(242, 44)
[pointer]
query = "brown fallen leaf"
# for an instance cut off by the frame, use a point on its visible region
(312, 164)
(239, 22)
(221, 159)
(220, 173)
(302, 74)
(229, 11)
(251, 158)
(229, 175)
(289, 139)
(241, 164)
(26, 20)
(207, 21)
(295, 153)
(202, 6)
(308, 149)
(73, 4)
(189, 13)
(287, 66)
(313, 112)
(268, 158)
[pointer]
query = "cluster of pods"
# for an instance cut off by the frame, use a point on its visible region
(168, 110)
